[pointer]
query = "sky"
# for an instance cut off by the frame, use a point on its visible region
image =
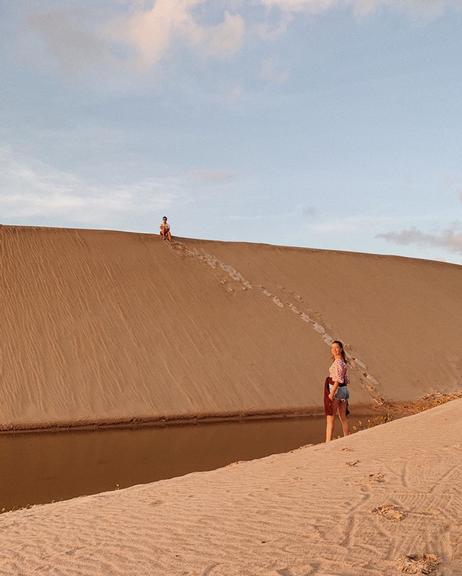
(330, 124)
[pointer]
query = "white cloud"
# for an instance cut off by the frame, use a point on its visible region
(224, 39)
(31, 189)
(313, 6)
(450, 238)
(79, 38)
(153, 32)
(149, 32)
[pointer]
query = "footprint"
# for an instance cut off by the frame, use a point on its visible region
(352, 463)
(278, 302)
(209, 569)
(297, 570)
(370, 383)
(416, 564)
(390, 512)
(377, 477)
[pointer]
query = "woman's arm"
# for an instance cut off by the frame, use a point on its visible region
(333, 391)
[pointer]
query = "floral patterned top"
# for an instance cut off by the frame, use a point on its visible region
(338, 371)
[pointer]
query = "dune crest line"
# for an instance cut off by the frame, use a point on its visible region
(104, 327)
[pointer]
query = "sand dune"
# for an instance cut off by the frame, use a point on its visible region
(102, 326)
(355, 507)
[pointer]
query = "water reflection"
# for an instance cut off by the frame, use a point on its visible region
(41, 467)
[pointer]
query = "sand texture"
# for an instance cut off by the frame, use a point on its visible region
(103, 326)
(375, 503)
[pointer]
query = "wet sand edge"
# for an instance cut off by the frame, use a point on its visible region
(383, 413)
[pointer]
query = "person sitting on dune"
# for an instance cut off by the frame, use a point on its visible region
(165, 233)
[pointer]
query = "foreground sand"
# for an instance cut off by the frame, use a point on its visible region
(306, 512)
(104, 326)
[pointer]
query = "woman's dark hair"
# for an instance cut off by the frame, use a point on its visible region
(342, 350)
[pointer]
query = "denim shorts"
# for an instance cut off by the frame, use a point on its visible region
(342, 392)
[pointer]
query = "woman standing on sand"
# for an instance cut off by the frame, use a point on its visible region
(336, 393)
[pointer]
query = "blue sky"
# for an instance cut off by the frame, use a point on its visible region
(323, 123)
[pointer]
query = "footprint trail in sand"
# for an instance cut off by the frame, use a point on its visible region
(234, 281)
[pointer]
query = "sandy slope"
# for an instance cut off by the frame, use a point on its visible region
(107, 326)
(306, 512)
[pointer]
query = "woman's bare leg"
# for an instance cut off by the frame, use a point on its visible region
(330, 421)
(329, 427)
(343, 418)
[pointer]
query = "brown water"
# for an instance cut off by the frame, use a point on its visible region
(36, 468)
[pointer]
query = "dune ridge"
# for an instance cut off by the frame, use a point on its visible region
(117, 327)
(380, 502)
